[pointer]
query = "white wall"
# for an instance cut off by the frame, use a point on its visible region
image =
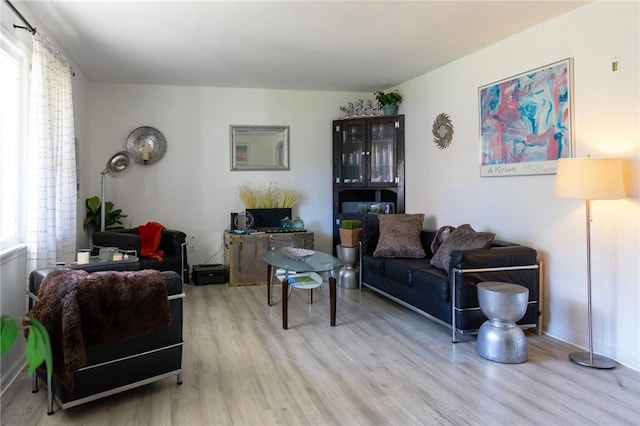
(192, 188)
(447, 187)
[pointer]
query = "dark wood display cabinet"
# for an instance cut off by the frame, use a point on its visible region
(368, 169)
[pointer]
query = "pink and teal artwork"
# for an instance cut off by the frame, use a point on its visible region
(525, 122)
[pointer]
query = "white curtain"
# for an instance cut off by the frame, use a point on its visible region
(51, 182)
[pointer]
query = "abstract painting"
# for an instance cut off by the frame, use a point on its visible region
(242, 154)
(525, 122)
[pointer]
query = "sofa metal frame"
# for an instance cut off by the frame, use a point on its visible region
(457, 273)
(455, 332)
(405, 304)
(456, 276)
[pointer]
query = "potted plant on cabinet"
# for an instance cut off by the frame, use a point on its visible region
(268, 205)
(350, 232)
(388, 101)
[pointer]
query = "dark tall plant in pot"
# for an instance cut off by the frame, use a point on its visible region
(92, 220)
(388, 101)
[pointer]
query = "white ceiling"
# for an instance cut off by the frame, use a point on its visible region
(313, 45)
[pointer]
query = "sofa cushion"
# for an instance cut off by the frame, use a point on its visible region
(373, 264)
(462, 238)
(442, 234)
(82, 310)
(433, 282)
(401, 270)
(400, 236)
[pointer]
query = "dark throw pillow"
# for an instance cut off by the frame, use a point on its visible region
(462, 238)
(400, 236)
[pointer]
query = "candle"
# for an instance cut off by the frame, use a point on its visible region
(83, 257)
(144, 153)
(117, 256)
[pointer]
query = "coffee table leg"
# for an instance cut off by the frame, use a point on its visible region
(285, 302)
(332, 299)
(269, 285)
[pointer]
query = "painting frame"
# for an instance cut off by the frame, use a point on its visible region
(526, 121)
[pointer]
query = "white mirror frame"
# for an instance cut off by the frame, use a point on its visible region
(259, 147)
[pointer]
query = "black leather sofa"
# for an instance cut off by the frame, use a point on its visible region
(450, 296)
(172, 243)
(117, 367)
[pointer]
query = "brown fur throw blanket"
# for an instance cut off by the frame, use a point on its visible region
(81, 310)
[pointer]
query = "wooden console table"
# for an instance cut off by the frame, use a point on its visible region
(243, 253)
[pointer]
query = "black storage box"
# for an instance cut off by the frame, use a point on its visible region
(208, 274)
(269, 218)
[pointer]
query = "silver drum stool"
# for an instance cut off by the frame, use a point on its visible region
(348, 275)
(499, 338)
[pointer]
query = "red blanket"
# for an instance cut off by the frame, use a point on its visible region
(150, 235)
(82, 310)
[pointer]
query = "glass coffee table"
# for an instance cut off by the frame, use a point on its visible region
(316, 262)
(97, 261)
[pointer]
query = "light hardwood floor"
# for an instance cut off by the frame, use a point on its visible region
(381, 364)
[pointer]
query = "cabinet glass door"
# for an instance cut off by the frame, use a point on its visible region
(352, 150)
(383, 153)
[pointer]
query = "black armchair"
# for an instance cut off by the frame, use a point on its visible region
(118, 366)
(172, 243)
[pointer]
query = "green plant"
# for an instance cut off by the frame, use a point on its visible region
(350, 230)
(92, 219)
(388, 98)
(38, 347)
(271, 197)
(350, 223)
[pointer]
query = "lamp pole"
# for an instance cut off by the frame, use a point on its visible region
(116, 164)
(589, 359)
(102, 203)
(590, 179)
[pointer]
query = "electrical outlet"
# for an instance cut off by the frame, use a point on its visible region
(192, 244)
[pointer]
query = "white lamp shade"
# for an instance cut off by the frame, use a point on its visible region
(590, 178)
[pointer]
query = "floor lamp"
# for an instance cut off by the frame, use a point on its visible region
(590, 179)
(117, 163)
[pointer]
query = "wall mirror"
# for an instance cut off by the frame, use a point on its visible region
(259, 147)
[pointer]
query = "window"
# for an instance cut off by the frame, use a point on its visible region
(13, 125)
